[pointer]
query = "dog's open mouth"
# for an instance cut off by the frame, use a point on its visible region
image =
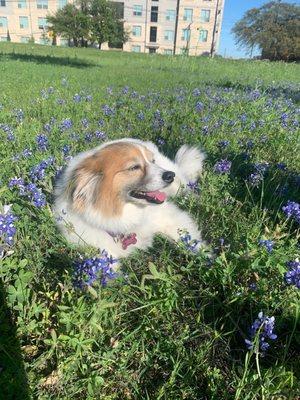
(155, 196)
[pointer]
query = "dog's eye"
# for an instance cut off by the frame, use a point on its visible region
(135, 167)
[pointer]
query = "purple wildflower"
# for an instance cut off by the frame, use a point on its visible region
(107, 110)
(66, 124)
(77, 98)
(160, 141)
(85, 122)
(222, 167)
(66, 149)
(196, 92)
(141, 116)
(222, 144)
(189, 243)
(199, 106)
(255, 179)
(100, 135)
(7, 228)
(26, 153)
(193, 186)
(90, 270)
(42, 142)
(88, 97)
(292, 277)
(268, 244)
(263, 326)
(19, 114)
(292, 210)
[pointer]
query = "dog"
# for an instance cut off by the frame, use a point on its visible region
(116, 197)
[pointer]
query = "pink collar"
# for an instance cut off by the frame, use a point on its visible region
(126, 240)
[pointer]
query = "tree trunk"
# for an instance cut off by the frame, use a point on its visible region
(100, 44)
(75, 41)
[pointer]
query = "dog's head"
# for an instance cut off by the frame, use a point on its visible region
(114, 175)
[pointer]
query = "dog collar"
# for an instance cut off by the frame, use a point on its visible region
(125, 240)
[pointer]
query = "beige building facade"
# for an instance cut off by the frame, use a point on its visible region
(190, 27)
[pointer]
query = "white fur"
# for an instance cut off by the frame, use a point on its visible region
(91, 228)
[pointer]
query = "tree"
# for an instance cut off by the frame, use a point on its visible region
(106, 25)
(87, 22)
(71, 23)
(274, 28)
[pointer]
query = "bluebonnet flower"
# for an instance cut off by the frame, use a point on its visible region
(268, 244)
(88, 97)
(196, 92)
(255, 179)
(189, 243)
(9, 132)
(281, 166)
(101, 122)
(38, 171)
(125, 89)
(141, 116)
(243, 118)
(284, 119)
(109, 91)
(74, 136)
(253, 286)
(158, 121)
(263, 326)
(222, 167)
(42, 142)
(160, 141)
(47, 128)
(88, 137)
(107, 110)
(64, 82)
(66, 149)
(100, 135)
(30, 190)
(19, 114)
(66, 124)
(292, 210)
(85, 122)
(77, 98)
(26, 153)
(90, 270)
(193, 186)
(292, 277)
(222, 144)
(205, 130)
(7, 228)
(261, 168)
(252, 126)
(254, 95)
(51, 90)
(60, 102)
(18, 182)
(199, 106)
(44, 94)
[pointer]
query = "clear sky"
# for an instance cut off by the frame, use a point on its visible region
(234, 10)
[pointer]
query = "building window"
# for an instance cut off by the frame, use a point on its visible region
(168, 52)
(136, 30)
(23, 22)
(43, 40)
(188, 14)
(169, 35)
(152, 50)
(205, 16)
(186, 34)
(2, 3)
(203, 36)
(25, 39)
(153, 33)
(42, 23)
(171, 15)
(62, 3)
(42, 4)
(3, 22)
(22, 4)
(137, 10)
(136, 49)
(154, 14)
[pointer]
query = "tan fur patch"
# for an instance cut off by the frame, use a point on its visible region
(102, 179)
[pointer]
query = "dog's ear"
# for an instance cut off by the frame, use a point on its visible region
(84, 185)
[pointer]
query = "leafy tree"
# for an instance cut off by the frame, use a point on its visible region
(71, 23)
(274, 28)
(105, 23)
(88, 22)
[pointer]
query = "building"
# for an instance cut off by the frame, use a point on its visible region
(22, 20)
(169, 27)
(190, 27)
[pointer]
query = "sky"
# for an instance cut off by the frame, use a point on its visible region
(233, 11)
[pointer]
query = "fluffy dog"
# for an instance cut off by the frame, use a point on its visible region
(115, 197)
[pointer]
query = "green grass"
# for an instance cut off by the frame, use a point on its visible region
(171, 326)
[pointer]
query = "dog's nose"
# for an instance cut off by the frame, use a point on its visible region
(168, 176)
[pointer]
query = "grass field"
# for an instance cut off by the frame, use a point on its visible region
(171, 325)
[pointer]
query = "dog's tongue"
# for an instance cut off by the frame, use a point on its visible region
(156, 194)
